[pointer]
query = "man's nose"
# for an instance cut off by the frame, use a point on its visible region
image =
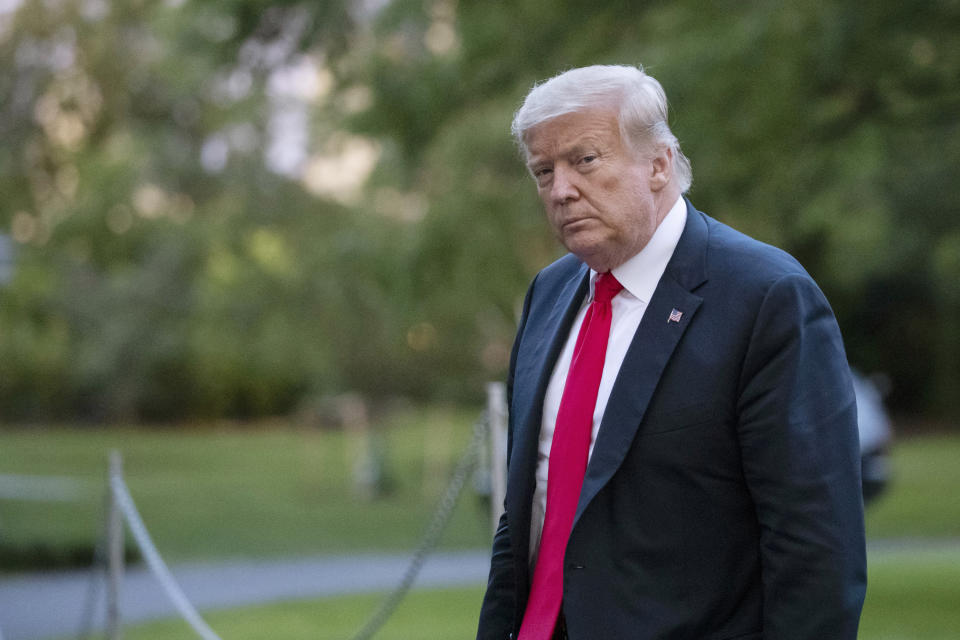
(564, 188)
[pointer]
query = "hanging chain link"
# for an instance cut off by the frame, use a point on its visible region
(438, 523)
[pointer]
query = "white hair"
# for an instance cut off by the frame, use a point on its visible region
(639, 98)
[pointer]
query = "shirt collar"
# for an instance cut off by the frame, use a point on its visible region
(640, 274)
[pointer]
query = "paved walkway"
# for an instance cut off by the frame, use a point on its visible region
(52, 604)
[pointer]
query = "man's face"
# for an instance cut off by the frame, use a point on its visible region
(603, 200)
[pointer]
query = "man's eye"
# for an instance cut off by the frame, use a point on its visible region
(542, 174)
(587, 159)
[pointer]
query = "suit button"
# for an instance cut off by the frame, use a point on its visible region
(574, 565)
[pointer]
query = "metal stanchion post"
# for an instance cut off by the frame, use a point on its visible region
(497, 416)
(115, 544)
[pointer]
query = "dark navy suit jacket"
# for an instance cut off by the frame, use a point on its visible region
(722, 499)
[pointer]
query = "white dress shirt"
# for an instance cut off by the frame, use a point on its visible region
(639, 276)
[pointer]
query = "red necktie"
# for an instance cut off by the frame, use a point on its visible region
(568, 461)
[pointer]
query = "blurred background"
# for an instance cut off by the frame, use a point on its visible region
(256, 245)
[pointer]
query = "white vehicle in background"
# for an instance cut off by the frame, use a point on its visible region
(876, 434)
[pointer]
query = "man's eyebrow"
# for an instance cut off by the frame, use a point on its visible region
(588, 142)
(581, 146)
(577, 147)
(536, 159)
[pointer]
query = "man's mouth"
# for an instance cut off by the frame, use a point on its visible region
(573, 222)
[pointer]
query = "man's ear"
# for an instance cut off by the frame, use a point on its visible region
(661, 169)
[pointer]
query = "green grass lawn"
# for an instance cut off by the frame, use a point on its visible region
(923, 500)
(208, 493)
(434, 615)
(912, 595)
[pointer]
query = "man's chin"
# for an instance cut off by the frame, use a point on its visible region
(582, 243)
(590, 254)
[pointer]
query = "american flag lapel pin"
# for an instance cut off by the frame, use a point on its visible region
(675, 316)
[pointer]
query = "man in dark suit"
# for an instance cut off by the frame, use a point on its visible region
(709, 442)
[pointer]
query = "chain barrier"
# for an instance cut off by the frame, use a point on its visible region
(438, 523)
(441, 518)
(155, 562)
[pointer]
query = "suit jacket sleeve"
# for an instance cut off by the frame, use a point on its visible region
(498, 613)
(800, 456)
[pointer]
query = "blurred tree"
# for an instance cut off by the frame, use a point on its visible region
(152, 173)
(226, 207)
(828, 129)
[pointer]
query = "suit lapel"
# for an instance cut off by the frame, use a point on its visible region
(654, 343)
(546, 340)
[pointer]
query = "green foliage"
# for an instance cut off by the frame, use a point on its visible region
(823, 128)
(174, 260)
(152, 281)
